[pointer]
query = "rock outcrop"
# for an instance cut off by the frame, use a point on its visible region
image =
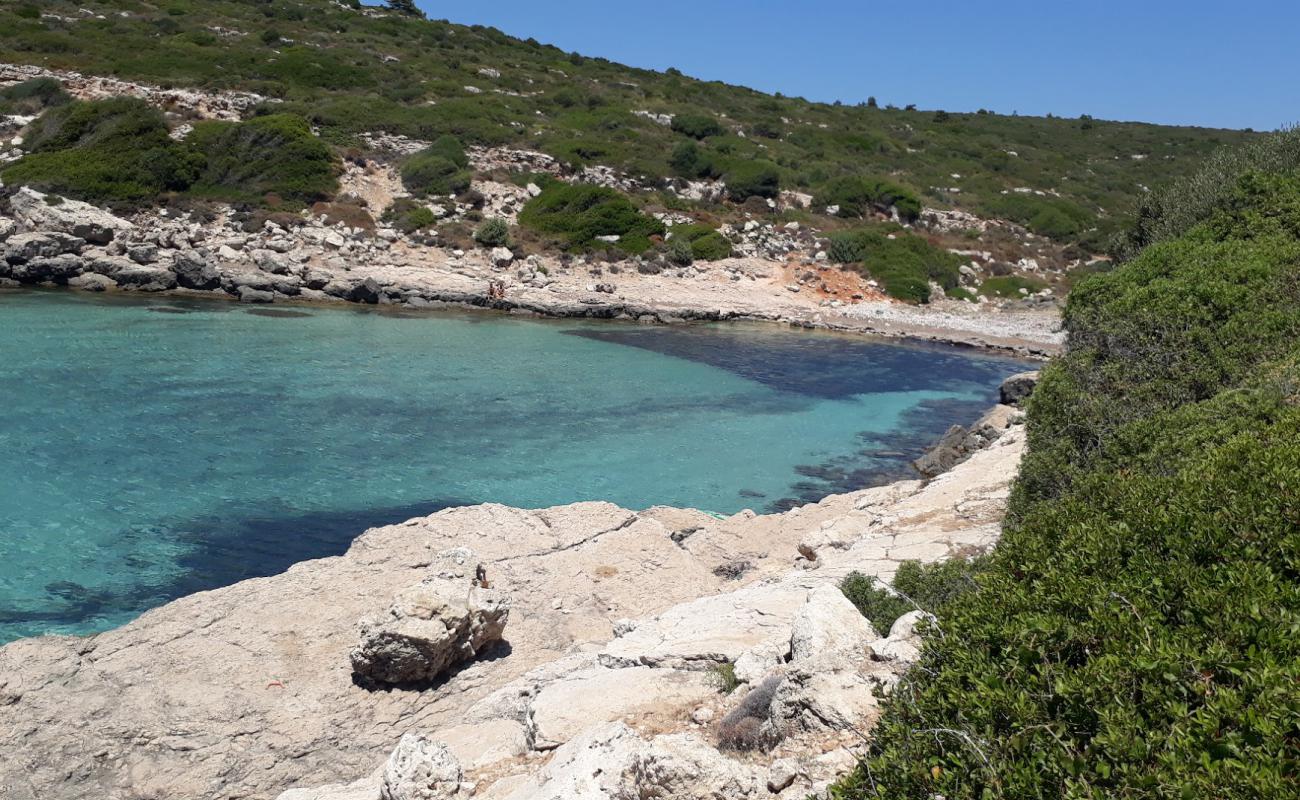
(446, 619)
(42, 212)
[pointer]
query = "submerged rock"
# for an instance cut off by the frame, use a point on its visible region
(444, 620)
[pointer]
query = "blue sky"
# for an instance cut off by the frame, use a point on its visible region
(1229, 64)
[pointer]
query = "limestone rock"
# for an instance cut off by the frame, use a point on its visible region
(58, 269)
(682, 767)
(446, 619)
(33, 211)
(1016, 389)
(146, 278)
(24, 247)
(903, 644)
(830, 630)
(194, 270)
(589, 767)
(420, 769)
(92, 282)
(502, 257)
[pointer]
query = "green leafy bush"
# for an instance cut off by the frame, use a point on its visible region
(753, 179)
(904, 265)
(494, 232)
(108, 151)
(1136, 631)
(679, 252)
(408, 216)
(33, 96)
(579, 213)
(697, 126)
(927, 587)
(439, 169)
(689, 161)
(706, 244)
(271, 155)
(1010, 286)
(856, 195)
(1046, 216)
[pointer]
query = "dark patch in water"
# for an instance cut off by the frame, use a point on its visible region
(283, 313)
(824, 366)
(885, 458)
(170, 310)
(224, 550)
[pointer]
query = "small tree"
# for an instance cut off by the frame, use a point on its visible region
(871, 102)
(679, 251)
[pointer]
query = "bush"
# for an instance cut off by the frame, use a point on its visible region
(904, 266)
(33, 96)
(679, 252)
(753, 179)
(1134, 634)
(579, 213)
(271, 155)
(438, 170)
(408, 216)
(689, 161)
(742, 727)
(494, 232)
(706, 244)
(108, 151)
(1010, 286)
(697, 126)
(1046, 216)
(857, 195)
(927, 587)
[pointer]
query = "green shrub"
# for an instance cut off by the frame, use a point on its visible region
(1010, 286)
(706, 244)
(33, 96)
(926, 587)
(1135, 633)
(856, 195)
(748, 179)
(679, 252)
(697, 126)
(408, 216)
(108, 151)
(439, 169)
(904, 266)
(577, 214)
(271, 155)
(689, 161)
(1046, 216)
(494, 232)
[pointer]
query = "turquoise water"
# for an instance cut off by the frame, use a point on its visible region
(152, 448)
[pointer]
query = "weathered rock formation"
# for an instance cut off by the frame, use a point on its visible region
(446, 619)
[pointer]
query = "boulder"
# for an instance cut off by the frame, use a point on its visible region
(944, 455)
(7, 228)
(1016, 389)
(830, 630)
(589, 767)
(444, 620)
(26, 246)
(502, 257)
(92, 282)
(365, 292)
(903, 644)
(248, 294)
(812, 698)
(145, 278)
(682, 767)
(58, 269)
(143, 253)
(420, 769)
(33, 211)
(195, 271)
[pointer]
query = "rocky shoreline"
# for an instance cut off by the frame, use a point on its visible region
(617, 629)
(52, 241)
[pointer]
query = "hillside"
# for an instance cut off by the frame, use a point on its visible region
(350, 70)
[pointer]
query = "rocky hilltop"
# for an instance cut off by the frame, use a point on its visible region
(607, 682)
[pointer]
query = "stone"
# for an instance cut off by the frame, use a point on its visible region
(145, 278)
(7, 228)
(501, 256)
(589, 767)
(33, 211)
(195, 271)
(566, 707)
(143, 253)
(479, 745)
(26, 246)
(366, 291)
(420, 769)
(830, 630)
(58, 269)
(1016, 389)
(813, 699)
(248, 294)
(903, 643)
(444, 620)
(781, 775)
(92, 282)
(681, 766)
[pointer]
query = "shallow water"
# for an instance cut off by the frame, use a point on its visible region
(153, 448)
